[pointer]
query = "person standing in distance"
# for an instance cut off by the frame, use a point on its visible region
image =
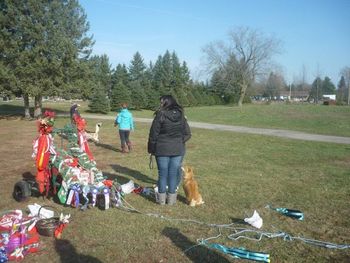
(167, 137)
(125, 123)
(74, 111)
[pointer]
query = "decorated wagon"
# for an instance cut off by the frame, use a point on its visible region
(68, 174)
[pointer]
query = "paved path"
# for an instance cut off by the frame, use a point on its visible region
(261, 131)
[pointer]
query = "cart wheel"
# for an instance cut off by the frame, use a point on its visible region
(21, 191)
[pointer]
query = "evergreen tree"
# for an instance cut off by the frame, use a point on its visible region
(157, 82)
(181, 96)
(327, 86)
(152, 96)
(225, 86)
(342, 91)
(137, 79)
(197, 94)
(120, 74)
(99, 102)
(316, 90)
(137, 68)
(166, 74)
(41, 44)
(120, 94)
(82, 83)
(101, 72)
(192, 100)
(138, 96)
(185, 74)
(176, 76)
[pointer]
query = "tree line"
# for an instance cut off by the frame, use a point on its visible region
(275, 87)
(45, 50)
(141, 85)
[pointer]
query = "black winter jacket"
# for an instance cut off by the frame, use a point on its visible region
(168, 133)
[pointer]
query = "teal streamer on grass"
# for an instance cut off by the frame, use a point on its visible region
(296, 214)
(239, 252)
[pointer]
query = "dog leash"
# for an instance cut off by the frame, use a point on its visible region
(150, 165)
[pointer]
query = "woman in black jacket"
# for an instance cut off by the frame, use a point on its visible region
(166, 141)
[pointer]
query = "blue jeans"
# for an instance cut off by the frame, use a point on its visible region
(168, 170)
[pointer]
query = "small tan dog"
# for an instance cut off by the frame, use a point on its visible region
(190, 186)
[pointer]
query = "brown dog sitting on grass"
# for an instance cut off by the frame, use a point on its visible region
(190, 186)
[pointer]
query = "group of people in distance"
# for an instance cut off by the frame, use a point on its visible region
(166, 141)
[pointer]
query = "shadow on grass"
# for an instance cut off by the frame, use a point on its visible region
(182, 199)
(196, 254)
(238, 221)
(140, 177)
(28, 176)
(107, 146)
(18, 110)
(123, 180)
(68, 253)
(120, 179)
(133, 173)
(34, 192)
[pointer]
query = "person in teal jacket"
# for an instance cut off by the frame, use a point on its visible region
(125, 123)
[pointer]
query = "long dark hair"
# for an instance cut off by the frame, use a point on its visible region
(168, 102)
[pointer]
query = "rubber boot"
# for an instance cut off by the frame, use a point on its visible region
(161, 198)
(172, 199)
(124, 149)
(129, 146)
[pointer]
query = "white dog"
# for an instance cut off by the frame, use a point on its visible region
(93, 136)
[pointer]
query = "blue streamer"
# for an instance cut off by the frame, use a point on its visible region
(296, 214)
(239, 252)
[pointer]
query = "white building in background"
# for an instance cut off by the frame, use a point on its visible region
(329, 97)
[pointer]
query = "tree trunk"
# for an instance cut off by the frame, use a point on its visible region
(38, 106)
(26, 106)
(243, 90)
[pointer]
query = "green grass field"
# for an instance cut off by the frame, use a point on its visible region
(320, 119)
(237, 174)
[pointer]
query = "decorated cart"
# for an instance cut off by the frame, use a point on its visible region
(68, 174)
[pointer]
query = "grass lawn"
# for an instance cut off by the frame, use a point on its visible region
(237, 174)
(320, 119)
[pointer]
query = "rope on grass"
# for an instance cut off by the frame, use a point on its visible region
(241, 232)
(128, 207)
(286, 237)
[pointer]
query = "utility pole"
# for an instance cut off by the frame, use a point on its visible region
(290, 91)
(348, 92)
(316, 90)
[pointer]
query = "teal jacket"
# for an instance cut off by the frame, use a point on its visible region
(125, 120)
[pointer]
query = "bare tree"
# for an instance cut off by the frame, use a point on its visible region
(346, 73)
(247, 54)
